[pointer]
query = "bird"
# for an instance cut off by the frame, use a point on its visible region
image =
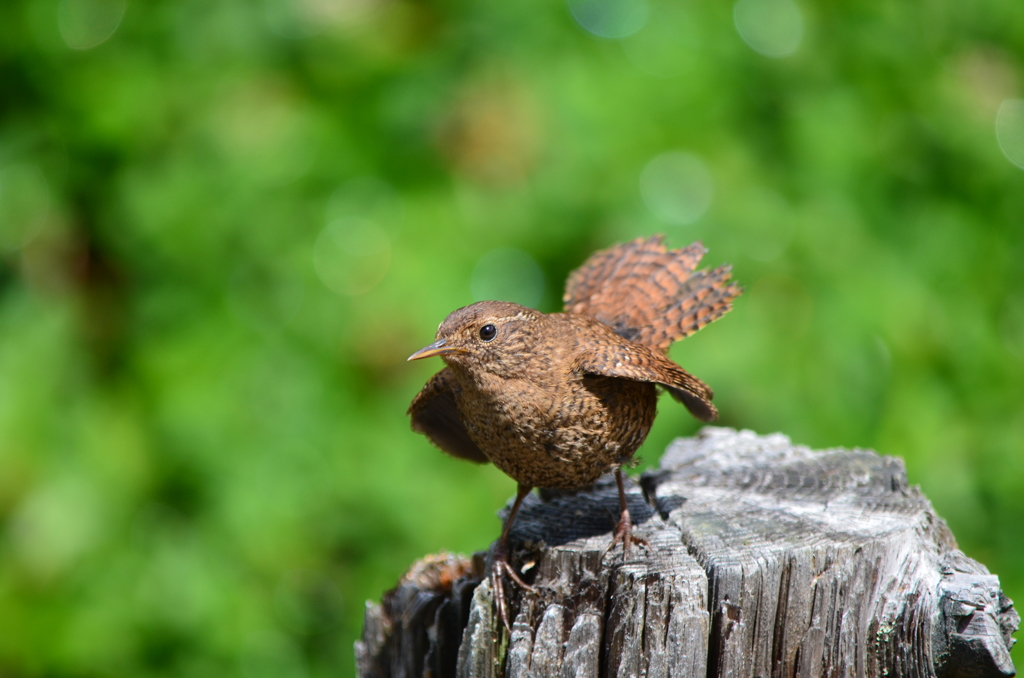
(556, 400)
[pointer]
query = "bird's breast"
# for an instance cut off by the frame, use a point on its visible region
(517, 401)
(556, 433)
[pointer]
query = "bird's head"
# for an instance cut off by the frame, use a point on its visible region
(496, 336)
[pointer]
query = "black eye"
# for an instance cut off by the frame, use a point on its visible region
(488, 332)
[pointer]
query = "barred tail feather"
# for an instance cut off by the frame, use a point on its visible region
(649, 294)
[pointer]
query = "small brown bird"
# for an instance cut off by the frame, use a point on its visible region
(556, 400)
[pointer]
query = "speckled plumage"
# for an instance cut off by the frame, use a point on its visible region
(556, 400)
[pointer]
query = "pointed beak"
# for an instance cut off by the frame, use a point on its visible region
(439, 347)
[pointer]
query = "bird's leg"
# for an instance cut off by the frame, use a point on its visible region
(500, 566)
(624, 530)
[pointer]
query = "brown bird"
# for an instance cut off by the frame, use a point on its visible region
(556, 400)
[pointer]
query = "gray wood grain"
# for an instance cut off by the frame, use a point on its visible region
(765, 559)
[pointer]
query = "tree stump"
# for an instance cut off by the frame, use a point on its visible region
(765, 559)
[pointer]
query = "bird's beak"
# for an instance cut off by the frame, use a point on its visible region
(439, 347)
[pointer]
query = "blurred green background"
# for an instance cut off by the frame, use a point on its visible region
(224, 224)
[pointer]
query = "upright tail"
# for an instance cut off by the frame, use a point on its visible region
(649, 294)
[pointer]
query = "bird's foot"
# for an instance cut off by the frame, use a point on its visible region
(500, 568)
(624, 535)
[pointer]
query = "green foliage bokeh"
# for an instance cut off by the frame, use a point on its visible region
(224, 224)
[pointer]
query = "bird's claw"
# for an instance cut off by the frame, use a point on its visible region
(500, 567)
(624, 535)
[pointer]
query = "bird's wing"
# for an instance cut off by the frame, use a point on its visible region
(640, 363)
(649, 294)
(435, 415)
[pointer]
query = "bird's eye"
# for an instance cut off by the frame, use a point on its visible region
(488, 332)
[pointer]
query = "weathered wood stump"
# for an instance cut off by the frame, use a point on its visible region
(765, 559)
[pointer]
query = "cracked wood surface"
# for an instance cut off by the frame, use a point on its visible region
(766, 559)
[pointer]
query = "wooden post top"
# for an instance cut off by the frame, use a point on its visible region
(766, 559)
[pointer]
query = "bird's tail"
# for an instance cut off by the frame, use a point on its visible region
(649, 294)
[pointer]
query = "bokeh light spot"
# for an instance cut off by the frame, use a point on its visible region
(508, 275)
(24, 205)
(676, 187)
(773, 28)
(610, 18)
(1010, 130)
(84, 24)
(351, 255)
